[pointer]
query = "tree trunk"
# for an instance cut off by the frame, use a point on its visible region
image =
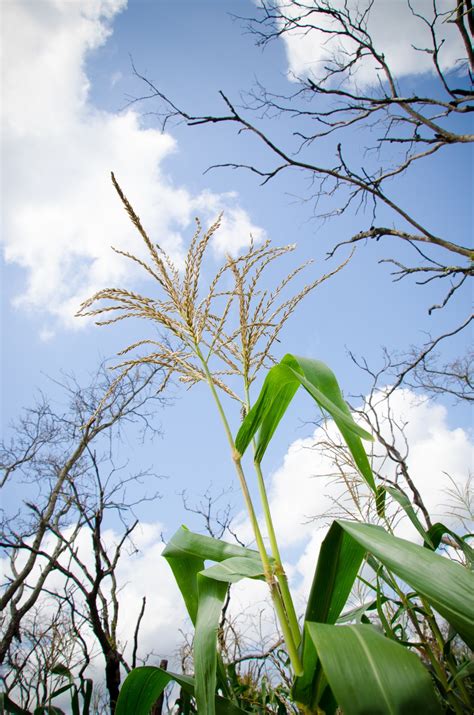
(112, 678)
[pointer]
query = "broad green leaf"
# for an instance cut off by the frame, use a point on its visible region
(143, 686)
(275, 396)
(321, 383)
(407, 507)
(235, 569)
(211, 599)
(369, 673)
(212, 590)
(187, 543)
(204, 591)
(339, 561)
(75, 702)
(62, 689)
(446, 585)
(278, 390)
(186, 553)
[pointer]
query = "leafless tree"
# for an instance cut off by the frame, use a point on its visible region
(402, 131)
(66, 489)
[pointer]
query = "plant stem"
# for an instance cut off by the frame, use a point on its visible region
(276, 595)
(279, 570)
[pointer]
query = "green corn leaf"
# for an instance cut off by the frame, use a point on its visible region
(186, 553)
(369, 673)
(402, 499)
(75, 702)
(275, 396)
(62, 689)
(339, 561)
(322, 385)
(212, 590)
(187, 543)
(211, 599)
(278, 390)
(204, 592)
(143, 686)
(446, 585)
(235, 569)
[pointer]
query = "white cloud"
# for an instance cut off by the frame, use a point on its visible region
(61, 213)
(394, 30)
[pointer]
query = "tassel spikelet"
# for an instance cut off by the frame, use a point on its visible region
(202, 323)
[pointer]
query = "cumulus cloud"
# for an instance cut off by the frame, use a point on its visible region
(395, 31)
(61, 213)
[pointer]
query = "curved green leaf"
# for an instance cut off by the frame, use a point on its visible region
(213, 583)
(402, 499)
(204, 591)
(186, 553)
(143, 686)
(339, 561)
(278, 390)
(369, 673)
(322, 385)
(211, 600)
(235, 569)
(87, 695)
(446, 585)
(61, 669)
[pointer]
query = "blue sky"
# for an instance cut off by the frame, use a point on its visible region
(67, 124)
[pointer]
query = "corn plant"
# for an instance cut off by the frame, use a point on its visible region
(355, 667)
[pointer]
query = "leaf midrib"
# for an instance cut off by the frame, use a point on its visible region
(375, 671)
